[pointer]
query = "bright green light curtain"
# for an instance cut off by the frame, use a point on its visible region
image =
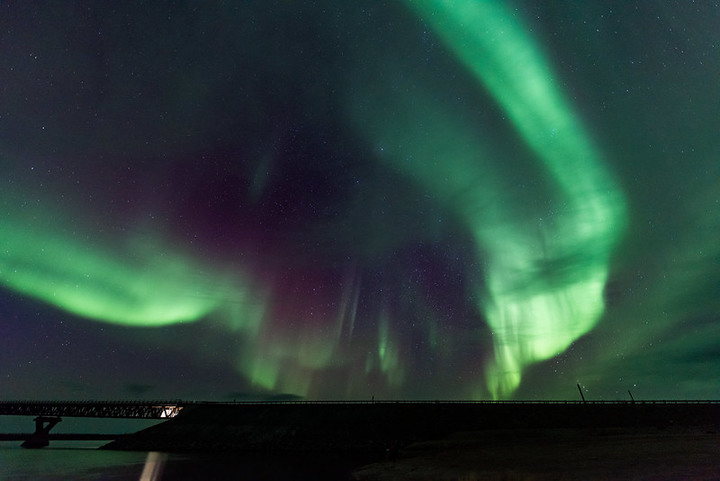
(545, 288)
(147, 286)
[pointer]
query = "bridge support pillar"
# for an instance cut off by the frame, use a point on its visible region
(41, 437)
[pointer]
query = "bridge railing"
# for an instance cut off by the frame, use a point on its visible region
(98, 409)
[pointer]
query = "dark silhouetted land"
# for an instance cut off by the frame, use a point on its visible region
(469, 441)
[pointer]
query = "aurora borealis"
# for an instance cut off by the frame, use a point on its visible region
(410, 199)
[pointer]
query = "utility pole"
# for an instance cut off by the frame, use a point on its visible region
(581, 393)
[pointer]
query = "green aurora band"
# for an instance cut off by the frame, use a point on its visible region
(545, 276)
(144, 284)
(148, 286)
(545, 272)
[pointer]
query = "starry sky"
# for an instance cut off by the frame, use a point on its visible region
(411, 199)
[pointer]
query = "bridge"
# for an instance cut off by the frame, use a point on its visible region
(93, 409)
(50, 413)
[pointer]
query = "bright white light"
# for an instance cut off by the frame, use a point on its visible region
(169, 411)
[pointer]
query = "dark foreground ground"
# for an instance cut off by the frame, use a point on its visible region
(462, 441)
(669, 454)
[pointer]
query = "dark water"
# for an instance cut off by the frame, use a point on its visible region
(81, 461)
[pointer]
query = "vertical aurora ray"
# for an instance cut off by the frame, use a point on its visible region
(388, 354)
(545, 276)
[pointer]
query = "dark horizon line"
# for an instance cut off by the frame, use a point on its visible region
(171, 402)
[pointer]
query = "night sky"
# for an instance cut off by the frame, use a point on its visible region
(410, 199)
